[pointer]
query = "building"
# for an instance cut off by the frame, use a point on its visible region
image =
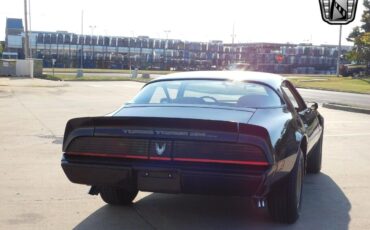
(72, 50)
(14, 39)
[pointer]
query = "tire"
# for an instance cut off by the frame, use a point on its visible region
(284, 201)
(117, 196)
(315, 158)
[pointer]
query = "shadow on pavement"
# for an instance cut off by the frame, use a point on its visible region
(324, 207)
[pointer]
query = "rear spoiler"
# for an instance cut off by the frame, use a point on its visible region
(114, 126)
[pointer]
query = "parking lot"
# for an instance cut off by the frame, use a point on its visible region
(35, 194)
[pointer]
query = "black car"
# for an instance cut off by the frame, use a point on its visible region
(222, 132)
(347, 70)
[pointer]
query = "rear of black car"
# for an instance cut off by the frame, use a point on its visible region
(169, 155)
(226, 133)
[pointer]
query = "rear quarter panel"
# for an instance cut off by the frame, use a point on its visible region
(284, 132)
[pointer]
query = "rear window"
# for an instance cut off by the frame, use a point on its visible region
(208, 92)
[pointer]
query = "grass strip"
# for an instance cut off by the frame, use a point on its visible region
(341, 84)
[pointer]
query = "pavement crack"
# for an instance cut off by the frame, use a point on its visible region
(143, 218)
(33, 115)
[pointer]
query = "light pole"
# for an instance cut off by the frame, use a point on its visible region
(92, 27)
(233, 34)
(129, 50)
(80, 72)
(339, 49)
(165, 47)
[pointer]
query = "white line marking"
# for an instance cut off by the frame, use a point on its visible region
(364, 121)
(97, 86)
(348, 135)
(127, 86)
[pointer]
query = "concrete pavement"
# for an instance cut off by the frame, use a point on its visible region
(324, 96)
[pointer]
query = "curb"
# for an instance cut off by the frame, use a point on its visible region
(347, 108)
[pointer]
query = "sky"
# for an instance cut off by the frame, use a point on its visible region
(283, 21)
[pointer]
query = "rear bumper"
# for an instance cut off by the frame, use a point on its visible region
(146, 176)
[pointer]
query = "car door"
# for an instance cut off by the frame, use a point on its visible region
(308, 116)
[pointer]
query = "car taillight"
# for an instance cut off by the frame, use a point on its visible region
(209, 152)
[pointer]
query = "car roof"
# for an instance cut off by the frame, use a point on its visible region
(273, 80)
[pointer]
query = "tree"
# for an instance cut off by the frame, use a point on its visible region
(2, 45)
(360, 36)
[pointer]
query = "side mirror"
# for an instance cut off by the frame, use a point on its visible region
(313, 106)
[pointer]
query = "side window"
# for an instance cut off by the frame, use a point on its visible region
(291, 97)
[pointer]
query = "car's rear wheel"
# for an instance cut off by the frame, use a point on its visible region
(284, 201)
(117, 196)
(315, 158)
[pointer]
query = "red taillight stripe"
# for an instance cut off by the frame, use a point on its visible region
(160, 158)
(258, 163)
(202, 160)
(108, 155)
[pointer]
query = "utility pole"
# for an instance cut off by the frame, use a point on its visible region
(339, 49)
(29, 42)
(29, 16)
(26, 40)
